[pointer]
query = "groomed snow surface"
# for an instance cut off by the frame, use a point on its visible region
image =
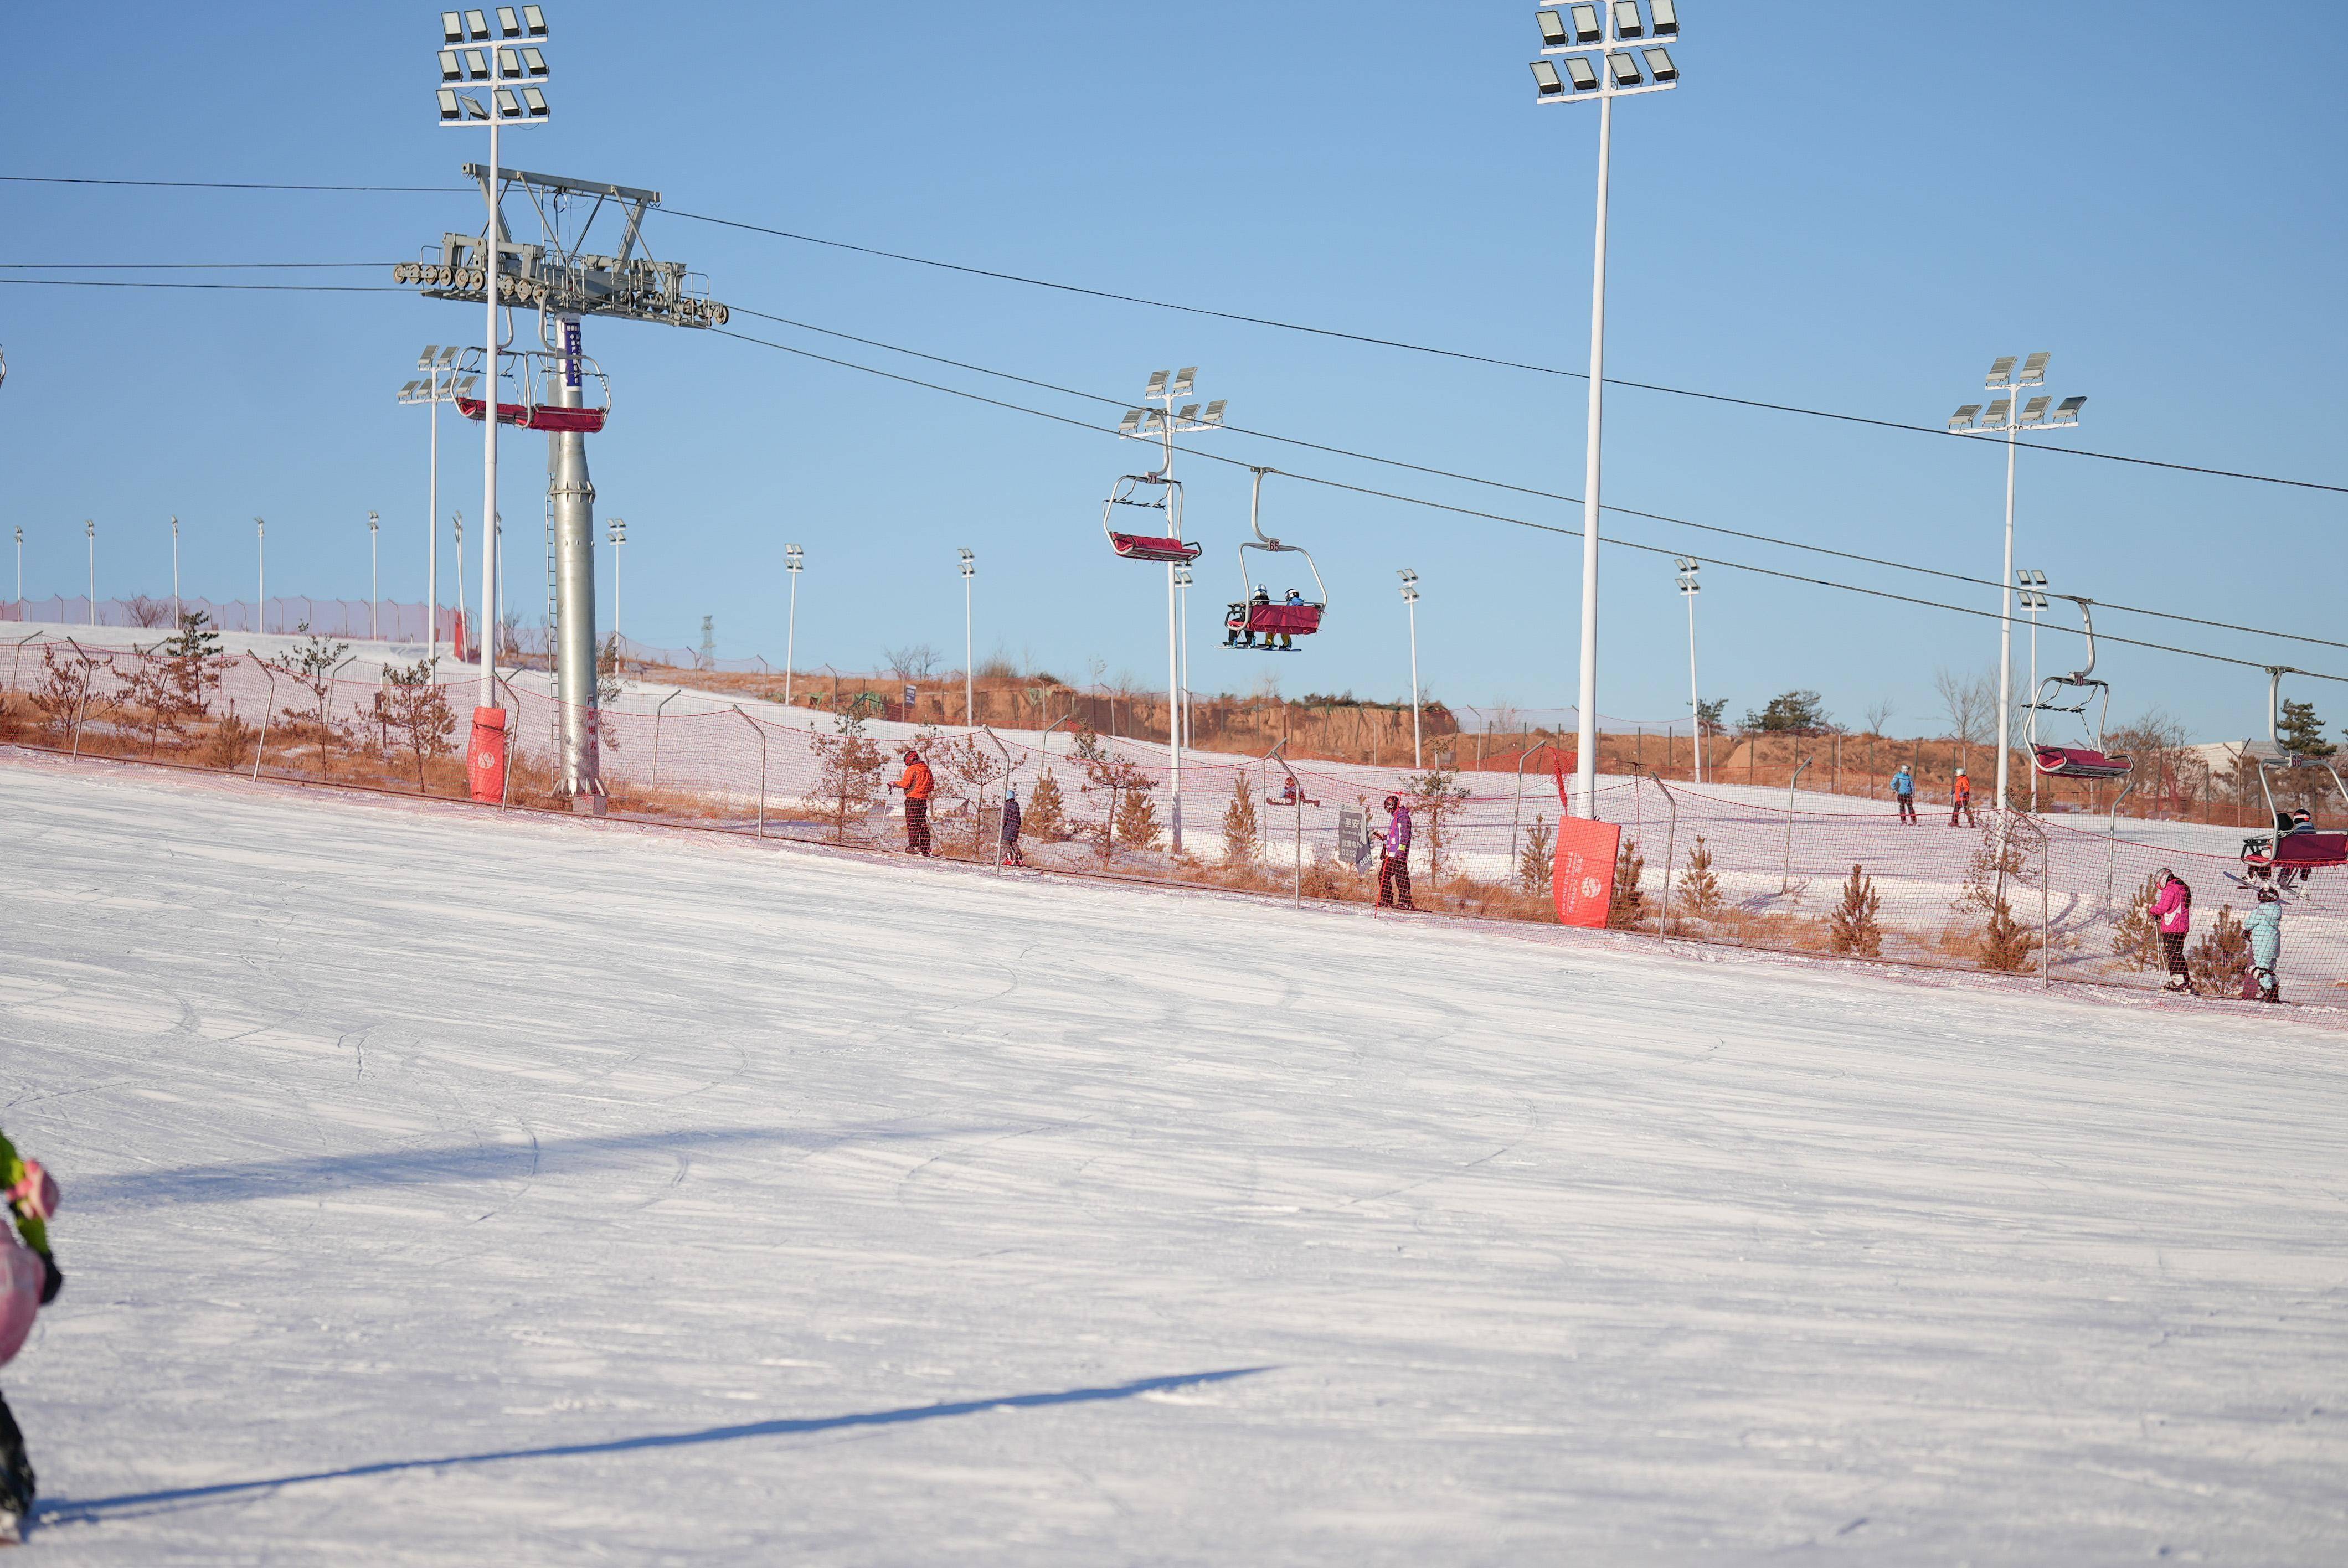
(443, 1188)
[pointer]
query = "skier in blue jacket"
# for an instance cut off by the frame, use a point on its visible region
(1903, 789)
(2265, 926)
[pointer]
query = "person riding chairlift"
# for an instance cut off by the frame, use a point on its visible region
(1293, 600)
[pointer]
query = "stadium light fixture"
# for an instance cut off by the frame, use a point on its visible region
(1577, 34)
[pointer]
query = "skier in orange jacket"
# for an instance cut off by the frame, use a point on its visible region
(1960, 802)
(919, 785)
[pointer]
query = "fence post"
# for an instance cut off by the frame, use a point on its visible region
(19, 663)
(762, 767)
(665, 701)
(513, 737)
(1517, 812)
(999, 849)
(262, 744)
(2112, 842)
(81, 696)
(2045, 907)
(1785, 878)
(1671, 843)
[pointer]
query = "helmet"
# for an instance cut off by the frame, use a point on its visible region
(912, 755)
(1961, 773)
(1393, 801)
(2269, 896)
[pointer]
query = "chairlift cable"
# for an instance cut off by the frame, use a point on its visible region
(1491, 516)
(246, 288)
(1272, 322)
(1468, 356)
(1528, 490)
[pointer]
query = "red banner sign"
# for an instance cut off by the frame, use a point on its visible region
(1584, 880)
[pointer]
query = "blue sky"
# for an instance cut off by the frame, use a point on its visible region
(1857, 216)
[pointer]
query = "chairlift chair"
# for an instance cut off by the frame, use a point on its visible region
(539, 410)
(1249, 619)
(1169, 548)
(2291, 852)
(2089, 759)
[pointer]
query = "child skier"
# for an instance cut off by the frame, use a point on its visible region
(1960, 801)
(2172, 911)
(1903, 790)
(2265, 927)
(29, 1279)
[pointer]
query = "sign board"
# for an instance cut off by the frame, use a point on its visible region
(913, 695)
(1354, 839)
(1584, 879)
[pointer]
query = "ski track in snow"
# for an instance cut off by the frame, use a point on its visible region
(444, 1188)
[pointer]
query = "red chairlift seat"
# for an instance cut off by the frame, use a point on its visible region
(2296, 851)
(1296, 619)
(1161, 547)
(2078, 762)
(540, 416)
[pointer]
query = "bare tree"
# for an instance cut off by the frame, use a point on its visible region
(1970, 702)
(1879, 714)
(916, 661)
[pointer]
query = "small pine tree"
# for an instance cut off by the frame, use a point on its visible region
(848, 765)
(1046, 820)
(2006, 944)
(1853, 927)
(1136, 819)
(1432, 796)
(66, 692)
(1242, 834)
(1700, 893)
(1536, 863)
(1627, 906)
(2221, 957)
(2136, 936)
(412, 706)
(232, 743)
(313, 665)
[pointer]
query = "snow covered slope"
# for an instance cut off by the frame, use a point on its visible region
(448, 1189)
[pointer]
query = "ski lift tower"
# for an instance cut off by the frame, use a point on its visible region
(544, 387)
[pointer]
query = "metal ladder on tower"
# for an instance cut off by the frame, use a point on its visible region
(554, 622)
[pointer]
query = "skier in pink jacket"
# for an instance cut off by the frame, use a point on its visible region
(2172, 911)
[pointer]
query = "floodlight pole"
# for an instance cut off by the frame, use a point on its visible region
(1688, 591)
(969, 571)
(618, 537)
(2030, 603)
(260, 573)
(375, 530)
(90, 527)
(1410, 603)
(2005, 630)
(2004, 378)
(490, 261)
(432, 532)
(1585, 764)
(1611, 64)
(794, 562)
(175, 571)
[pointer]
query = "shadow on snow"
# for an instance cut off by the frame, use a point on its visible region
(96, 1510)
(474, 1163)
